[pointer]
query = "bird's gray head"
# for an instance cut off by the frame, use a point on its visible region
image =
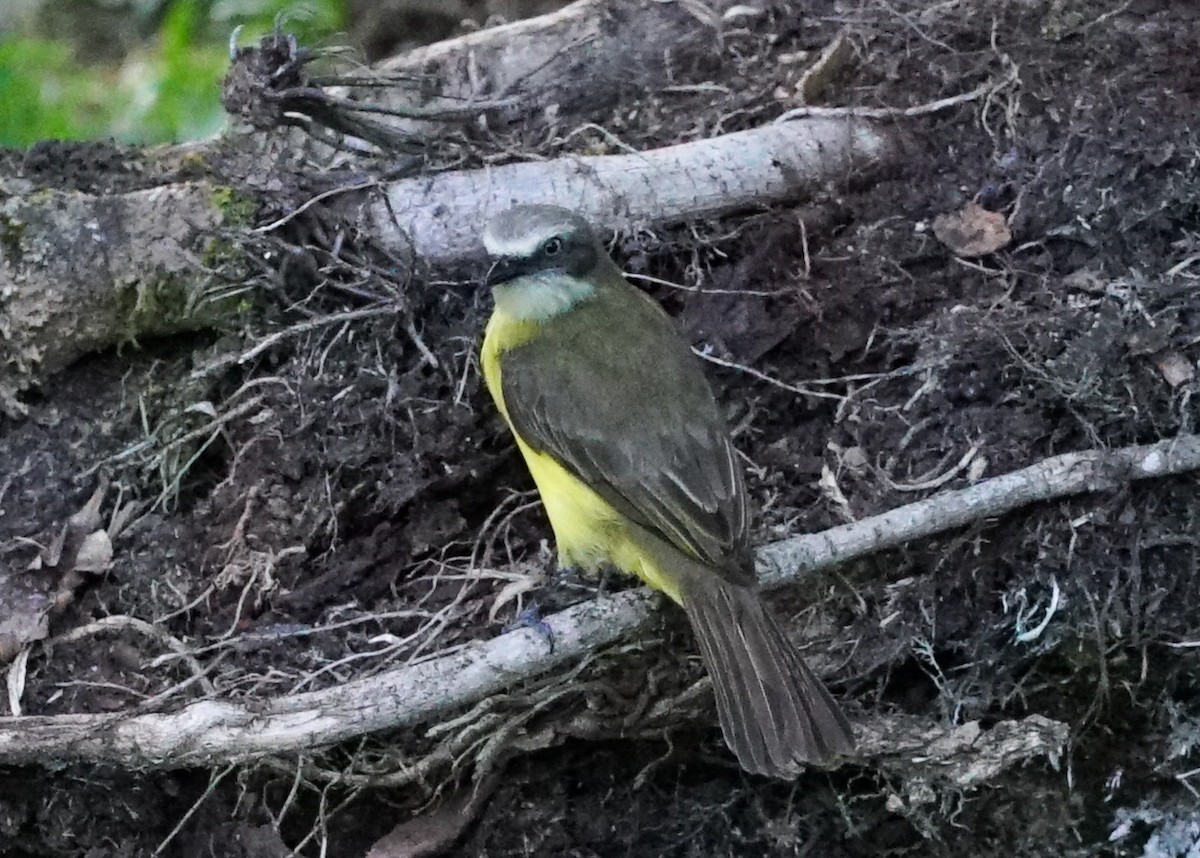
(545, 260)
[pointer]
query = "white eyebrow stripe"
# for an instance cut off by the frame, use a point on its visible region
(525, 244)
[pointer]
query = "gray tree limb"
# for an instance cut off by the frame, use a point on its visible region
(82, 272)
(442, 215)
(213, 732)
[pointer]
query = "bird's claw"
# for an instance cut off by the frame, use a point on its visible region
(531, 618)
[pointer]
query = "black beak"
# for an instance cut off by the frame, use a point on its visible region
(506, 268)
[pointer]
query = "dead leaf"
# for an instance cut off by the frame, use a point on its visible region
(977, 469)
(27, 598)
(88, 517)
(818, 77)
(972, 231)
(436, 831)
(1175, 368)
(121, 516)
(15, 680)
(832, 492)
(95, 553)
(63, 551)
(854, 460)
(741, 12)
(1084, 280)
(25, 603)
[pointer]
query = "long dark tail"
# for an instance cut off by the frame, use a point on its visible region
(775, 714)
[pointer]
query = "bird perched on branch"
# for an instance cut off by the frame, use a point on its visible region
(634, 464)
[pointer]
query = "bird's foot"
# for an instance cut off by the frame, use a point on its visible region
(604, 579)
(595, 584)
(531, 618)
(570, 585)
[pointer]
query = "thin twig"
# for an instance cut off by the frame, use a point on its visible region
(893, 112)
(117, 622)
(941, 480)
(214, 779)
(762, 376)
(300, 328)
(324, 195)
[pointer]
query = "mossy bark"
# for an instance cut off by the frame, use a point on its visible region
(82, 272)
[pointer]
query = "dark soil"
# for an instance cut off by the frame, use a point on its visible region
(341, 508)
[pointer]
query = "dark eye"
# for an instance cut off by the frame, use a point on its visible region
(552, 247)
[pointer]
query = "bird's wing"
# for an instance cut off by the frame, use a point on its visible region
(635, 420)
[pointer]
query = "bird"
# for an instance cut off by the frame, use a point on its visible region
(636, 470)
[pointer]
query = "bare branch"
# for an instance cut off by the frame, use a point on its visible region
(787, 162)
(1057, 477)
(212, 732)
(85, 272)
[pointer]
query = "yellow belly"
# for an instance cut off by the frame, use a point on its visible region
(588, 531)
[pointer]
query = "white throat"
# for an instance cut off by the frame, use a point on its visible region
(541, 296)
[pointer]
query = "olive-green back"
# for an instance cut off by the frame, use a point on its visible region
(611, 391)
